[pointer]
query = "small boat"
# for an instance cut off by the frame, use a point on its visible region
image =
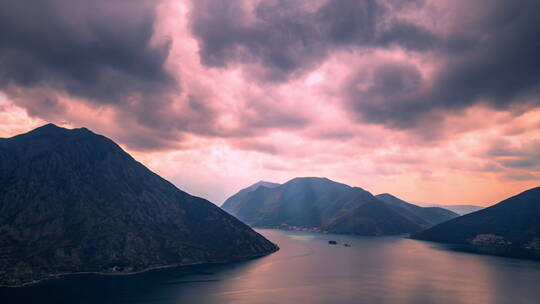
(347, 245)
(331, 242)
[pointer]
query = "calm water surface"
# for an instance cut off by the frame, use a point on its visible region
(309, 270)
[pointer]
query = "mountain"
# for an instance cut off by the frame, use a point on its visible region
(257, 185)
(509, 228)
(460, 209)
(232, 203)
(428, 216)
(321, 204)
(73, 201)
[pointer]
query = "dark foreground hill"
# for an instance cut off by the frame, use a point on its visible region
(509, 228)
(73, 201)
(322, 204)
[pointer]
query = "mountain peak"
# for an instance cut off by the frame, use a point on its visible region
(49, 126)
(321, 204)
(315, 181)
(263, 183)
(251, 188)
(310, 179)
(71, 186)
(53, 129)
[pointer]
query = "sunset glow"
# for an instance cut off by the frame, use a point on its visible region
(433, 101)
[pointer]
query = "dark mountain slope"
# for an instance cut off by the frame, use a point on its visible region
(375, 217)
(231, 203)
(511, 228)
(312, 202)
(430, 215)
(74, 201)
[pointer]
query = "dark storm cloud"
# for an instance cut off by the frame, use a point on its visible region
(286, 38)
(492, 61)
(392, 85)
(502, 63)
(106, 54)
(490, 58)
(98, 49)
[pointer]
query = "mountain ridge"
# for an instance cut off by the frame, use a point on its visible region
(74, 201)
(508, 228)
(322, 204)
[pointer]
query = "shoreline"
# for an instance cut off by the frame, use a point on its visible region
(302, 229)
(64, 274)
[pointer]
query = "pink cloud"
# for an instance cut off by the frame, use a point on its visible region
(372, 115)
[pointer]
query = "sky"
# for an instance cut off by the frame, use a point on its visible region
(431, 100)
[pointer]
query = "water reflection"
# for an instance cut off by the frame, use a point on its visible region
(309, 270)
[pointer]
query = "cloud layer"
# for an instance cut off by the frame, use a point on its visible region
(217, 94)
(444, 68)
(89, 49)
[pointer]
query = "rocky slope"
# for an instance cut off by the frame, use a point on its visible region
(74, 201)
(322, 204)
(509, 228)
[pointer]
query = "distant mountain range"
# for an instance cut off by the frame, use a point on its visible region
(73, 201)
(509, 228)
(459, 209)
(320, 204)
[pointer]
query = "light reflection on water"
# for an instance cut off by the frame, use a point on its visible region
(300, 237)
(309, 270)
